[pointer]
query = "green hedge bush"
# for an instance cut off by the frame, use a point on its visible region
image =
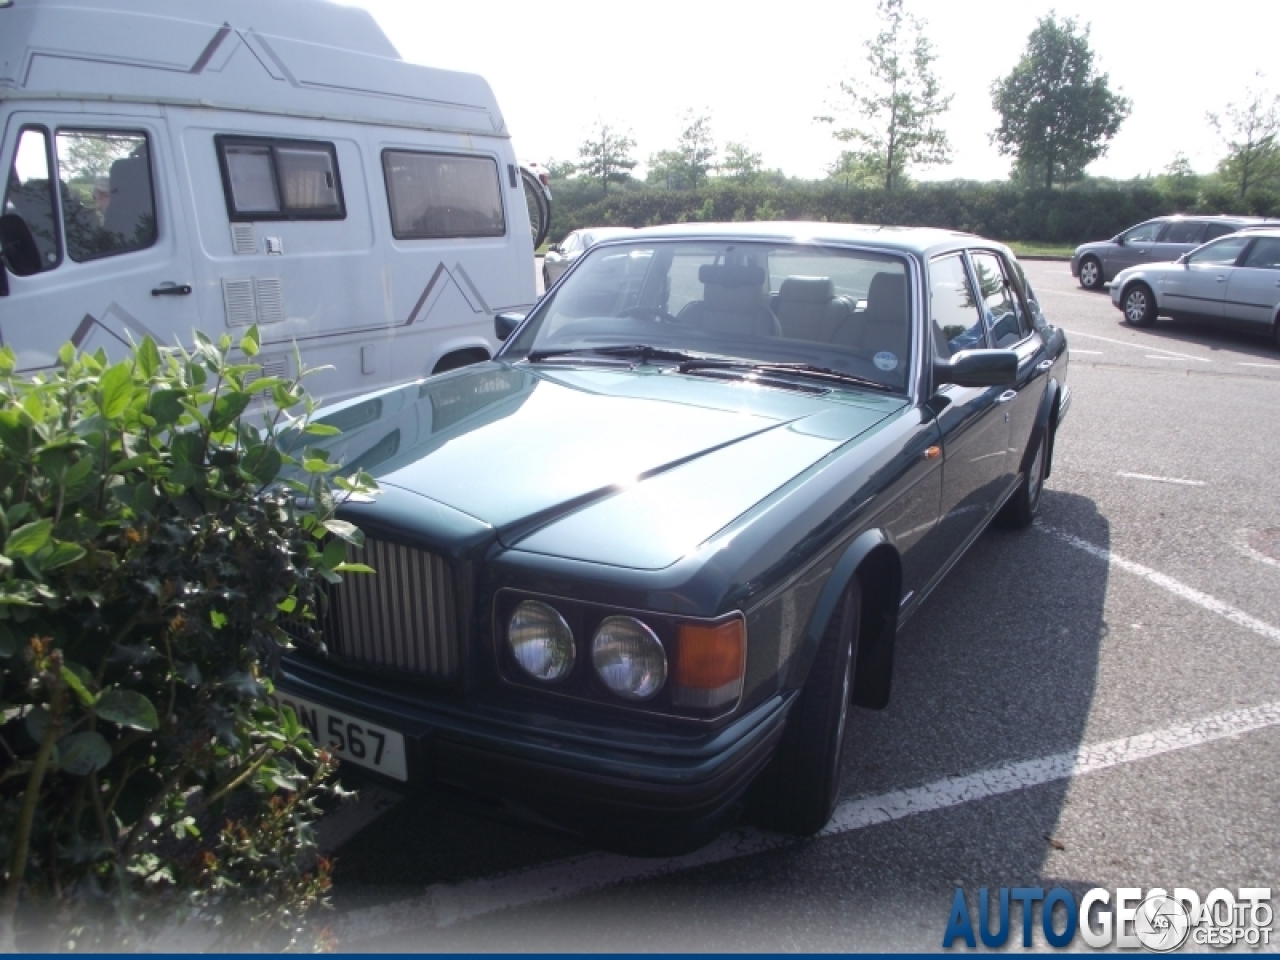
(154, 549)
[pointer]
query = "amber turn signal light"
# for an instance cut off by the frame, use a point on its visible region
(709, 663)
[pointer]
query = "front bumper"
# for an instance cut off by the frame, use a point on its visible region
(587, 775)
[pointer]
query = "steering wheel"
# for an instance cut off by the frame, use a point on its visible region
(658, 314)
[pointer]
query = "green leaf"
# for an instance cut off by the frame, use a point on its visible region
(263, 463)
(250, 342)
(77, 685)
(148, 357)
(28, 538)
(83, 753)
(116, 386)
(287, 605)
(316, 465)
(37, 722)
(218, 619)
(322, 430)
(353, 568)
(128, 709)
(346, 531)
(265, 383)
(335, 552)
(61, 555)
(227, 408)
(166, 406)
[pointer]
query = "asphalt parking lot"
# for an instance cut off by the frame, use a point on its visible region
(1094, 702)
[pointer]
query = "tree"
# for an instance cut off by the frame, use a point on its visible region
(606, 156)
(899, 100)
(1250, 130)
(740, 163)
(855, 168)
(1057, 113)
(696, 149)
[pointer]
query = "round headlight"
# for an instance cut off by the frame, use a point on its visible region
(629, 658)
(541, 641)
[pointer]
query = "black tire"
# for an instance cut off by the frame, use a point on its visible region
(797, 792)
(1021, 509)
(1139, 305)
(1091, 273)
(539, 207)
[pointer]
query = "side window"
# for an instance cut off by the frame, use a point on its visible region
(29, 195)
(1265, 254)
(1182, 231)
(108, 199)
(1144, 232)
(1000, 306)
(1215, 230)
(435, 195)
(266, 179)
(1222, 252)
(957, 322)
(1037, 315)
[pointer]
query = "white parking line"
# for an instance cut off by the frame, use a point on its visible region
(1086, 353)
(443, 905)
(1147, 476)
(1241, 544)
(1264, 366)
(1139, 346)
(1177, 588)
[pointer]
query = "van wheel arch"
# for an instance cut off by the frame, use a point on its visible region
(460, 358)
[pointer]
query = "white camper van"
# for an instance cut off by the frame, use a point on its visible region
(184, 164)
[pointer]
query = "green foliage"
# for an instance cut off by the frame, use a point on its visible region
(156, 540)
(605, 156)
(741, 163)
(899, 101)
(1057, 113)
(1251, 132)
(692, 162)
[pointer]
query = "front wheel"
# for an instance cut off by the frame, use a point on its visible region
(1021, 509)
(1091, 273)
(1139, 306)
(797, 792)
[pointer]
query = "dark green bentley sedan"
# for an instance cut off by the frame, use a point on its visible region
(632, 572)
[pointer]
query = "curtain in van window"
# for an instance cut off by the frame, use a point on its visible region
(443, 195)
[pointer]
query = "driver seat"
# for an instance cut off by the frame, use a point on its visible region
(733, 301)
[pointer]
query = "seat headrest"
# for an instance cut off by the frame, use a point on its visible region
(886, 287)
(731, 275)
(808, 289)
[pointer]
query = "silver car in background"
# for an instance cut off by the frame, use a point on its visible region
(1154, 241)
(1234, 280)
(561, 255)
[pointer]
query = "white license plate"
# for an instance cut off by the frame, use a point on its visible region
(354, 740)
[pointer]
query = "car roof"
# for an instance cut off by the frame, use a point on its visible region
(919, 240)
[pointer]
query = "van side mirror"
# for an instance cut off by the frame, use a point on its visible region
(18, 246)
(504, 324)
(977, 368)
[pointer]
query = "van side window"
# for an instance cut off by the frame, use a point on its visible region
(108, 202)
(29, 195)
(435, 195)
(266, 179)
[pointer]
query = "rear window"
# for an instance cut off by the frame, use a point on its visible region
(436, 195)
(267, 179)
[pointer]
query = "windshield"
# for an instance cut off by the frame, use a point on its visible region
(831, 309)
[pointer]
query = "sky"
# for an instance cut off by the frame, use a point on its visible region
(763, 72)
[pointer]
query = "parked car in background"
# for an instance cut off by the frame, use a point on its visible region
(642, 562)
(1234, 280)
(1154, 241)
(561, 256)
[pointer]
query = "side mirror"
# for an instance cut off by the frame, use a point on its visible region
(18, 246)
(1184, 258)
(977, 368)
(504, 324)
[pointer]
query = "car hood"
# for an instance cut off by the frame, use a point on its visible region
(631, 467)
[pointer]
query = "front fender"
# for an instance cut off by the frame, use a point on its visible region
(872, 558)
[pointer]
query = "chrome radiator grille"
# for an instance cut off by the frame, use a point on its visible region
(401, 617)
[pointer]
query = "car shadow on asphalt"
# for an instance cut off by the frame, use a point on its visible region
(1213, 337)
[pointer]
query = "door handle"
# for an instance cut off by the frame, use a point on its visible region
(1221, 279)
(1006, 396)
(171, 289)
(1044, 364)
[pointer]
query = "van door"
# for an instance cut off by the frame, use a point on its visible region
(94, 190)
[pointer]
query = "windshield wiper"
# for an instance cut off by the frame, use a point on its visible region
(631, 351)
(806, 369)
